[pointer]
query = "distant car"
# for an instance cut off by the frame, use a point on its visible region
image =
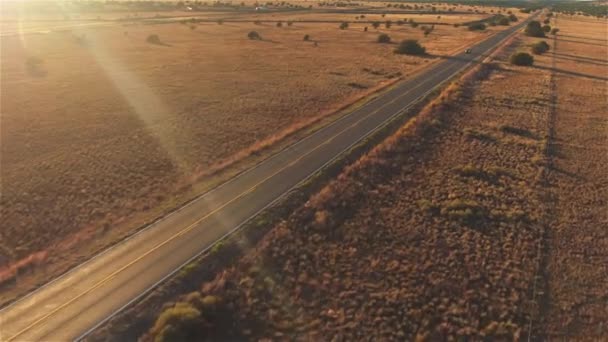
(467, 51)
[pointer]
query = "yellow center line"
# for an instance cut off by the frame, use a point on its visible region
(191, 226)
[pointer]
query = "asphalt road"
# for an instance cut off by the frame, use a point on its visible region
(75, 303)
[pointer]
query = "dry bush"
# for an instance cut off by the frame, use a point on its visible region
(153, 39)
(384, 38)
(521, 58)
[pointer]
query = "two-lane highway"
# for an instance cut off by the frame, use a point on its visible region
(76, 302)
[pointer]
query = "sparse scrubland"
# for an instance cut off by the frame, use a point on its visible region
(577, 204)
(105, 128)
(482, 217)
(434, 233)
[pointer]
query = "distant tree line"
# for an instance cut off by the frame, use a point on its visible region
(581, 7)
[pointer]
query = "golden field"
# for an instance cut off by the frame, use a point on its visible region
(482, 218)
(102, 131)
(577, 258)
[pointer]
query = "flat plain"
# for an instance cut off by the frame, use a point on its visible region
(103, 131)
(483, 218)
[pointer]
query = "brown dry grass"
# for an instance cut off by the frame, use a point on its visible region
(102, 131)
(577, 292)
(433, 234)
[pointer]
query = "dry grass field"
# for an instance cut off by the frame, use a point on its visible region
(102, 131)
(577, 293)
(432, 235)
(481, 218)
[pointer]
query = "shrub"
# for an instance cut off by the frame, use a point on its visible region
(516, 130)
(306, 37)
(504, 21)
(477, 26)
(179, 323)
(33, 62)
(82, 39)
(410, 47)
(456, 25)
(220, 21)
(540, 47)
(257, 22)
(521, 58)
(365, 29)
(376, 24)
(512, 17)
(547, 28)
(533, 29)
(343, 25)
(413, 24)
(253, 35)
(153, 39)
(289, 23)
(465, 211)
(554, 31)
(388, 24)
(384, 38)
(279, 23)
(546, 21)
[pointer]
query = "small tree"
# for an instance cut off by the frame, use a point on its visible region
(306, 37)
(384, 38)
(547, 28)
(388, 24)
(253, 35)
(533, 29)
(376, 24)
(521, 58)
(512, 17)
(365, 29)
(504, 21)
(477, 26)
(410, 47)
(540, 47)
(279, 24)
(546, 21)
(344, 25)
(413, 24)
